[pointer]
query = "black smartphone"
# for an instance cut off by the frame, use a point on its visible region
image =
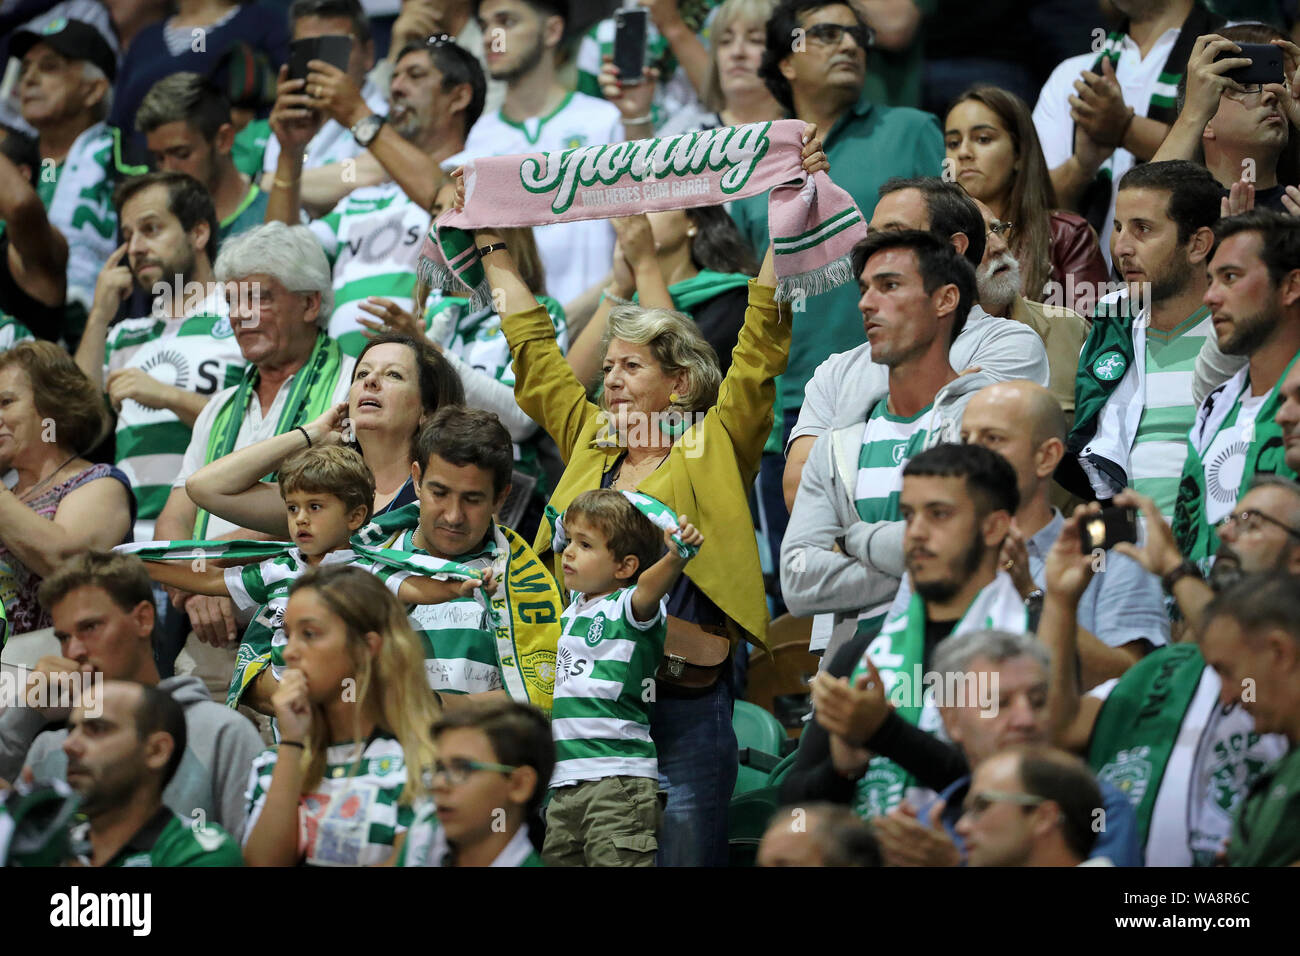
(1108, 528)
(629, 44)
(334, 49)
(1265, 64)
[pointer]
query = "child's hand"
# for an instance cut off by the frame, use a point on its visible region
(467, 588)
(687, 532)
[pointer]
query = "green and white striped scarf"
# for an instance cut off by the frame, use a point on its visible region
(311, 390)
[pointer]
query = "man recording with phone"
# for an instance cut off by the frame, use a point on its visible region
(1170, 733)
(1236, 114)
(435, 98)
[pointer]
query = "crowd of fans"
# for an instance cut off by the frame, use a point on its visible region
(362, 571)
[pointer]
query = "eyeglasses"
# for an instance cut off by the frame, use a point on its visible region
(1253, 91)
(1000, 228)
(977, 803)
(1253, 521)
(830, 34)
(458, 771)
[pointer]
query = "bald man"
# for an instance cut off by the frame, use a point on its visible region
(1122, 615)
(818, 834)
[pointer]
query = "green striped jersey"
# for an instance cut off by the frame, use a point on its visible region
(475, 337)
(265, 586)
(372, 238)
(888, 442)
(198, 353)
(1160, 444)
(12, 332)
(605, 666)
(426, 843)
(460, 648)
(353, 817)
(169, 840)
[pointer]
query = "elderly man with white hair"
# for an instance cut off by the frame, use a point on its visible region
(280, 292)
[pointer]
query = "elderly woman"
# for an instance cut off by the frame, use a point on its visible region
(660, 375)
(692, 260)
(50, 415)
(397, 384)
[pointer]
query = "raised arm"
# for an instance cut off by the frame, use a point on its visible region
(1159, 554)
(232, 486)
(658, 579)
(294, 123)
(545, 386)
(111, 290)
(273, 837)
(39, 248)
(1068, 571)
(412, 168)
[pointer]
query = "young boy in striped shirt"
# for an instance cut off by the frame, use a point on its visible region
(328, 493)
(611, 644)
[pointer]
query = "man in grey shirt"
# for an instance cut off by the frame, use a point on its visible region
(103, 611)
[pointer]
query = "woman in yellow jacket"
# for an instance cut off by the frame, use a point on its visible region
(659, 375)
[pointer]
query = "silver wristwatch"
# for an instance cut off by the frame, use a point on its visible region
(367, 128)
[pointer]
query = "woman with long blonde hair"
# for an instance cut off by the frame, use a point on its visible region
(354, 712)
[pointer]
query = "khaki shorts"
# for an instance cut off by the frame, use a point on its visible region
(609, 822)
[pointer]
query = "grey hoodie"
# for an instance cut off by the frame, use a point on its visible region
(212, 776)
(816, 579)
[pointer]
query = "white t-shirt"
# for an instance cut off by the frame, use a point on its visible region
(575, 255)
(1138, 79)
(257, 424)
(1213, 761)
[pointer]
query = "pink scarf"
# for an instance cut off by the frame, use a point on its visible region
(813, 223)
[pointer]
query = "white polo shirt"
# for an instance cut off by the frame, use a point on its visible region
(1138, 78)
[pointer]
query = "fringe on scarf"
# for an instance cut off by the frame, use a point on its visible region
(803, 285)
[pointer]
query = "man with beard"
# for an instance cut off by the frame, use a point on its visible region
(521, 40)
(159, 370)
(957, 502)
(1122, 615)
(1062, 330)
(120, 760)
(1133, 390)
(1240, 133)
(915, 291)
(372, 236)
(1254, 297)
(187, 129)
(103, 611)
(1168, 733)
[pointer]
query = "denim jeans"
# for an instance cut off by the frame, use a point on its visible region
(698, 762)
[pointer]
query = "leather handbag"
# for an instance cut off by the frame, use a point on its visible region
(694, 656)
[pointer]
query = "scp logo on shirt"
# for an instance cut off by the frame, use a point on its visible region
(596, 631)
